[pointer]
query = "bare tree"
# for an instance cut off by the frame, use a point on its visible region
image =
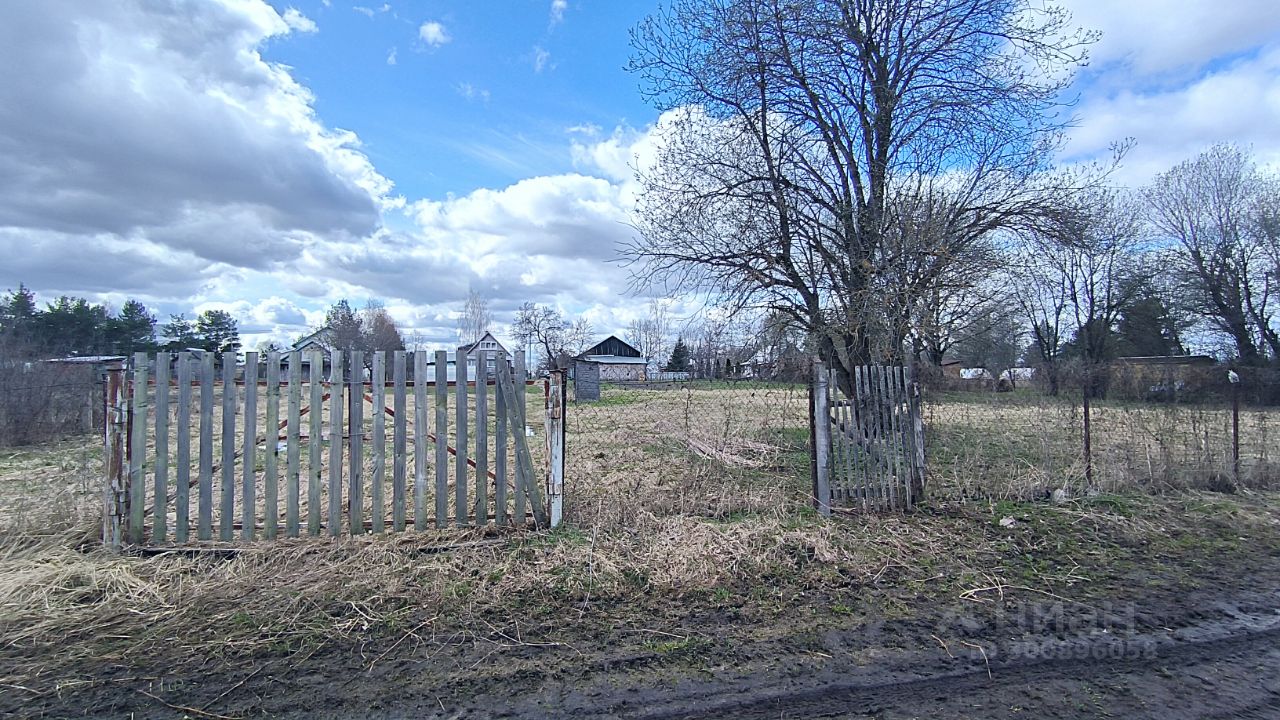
(476, 318)
(778, 191)
(651, 334)
(380, 330)
(1222, 213)
(541, 327)
(578, 336)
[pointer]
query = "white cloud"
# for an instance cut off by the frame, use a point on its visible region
(296, 20)
(557, 11)
(367, 12)
(540, 58)
(433, 33)
(391, 57)
(471, 92)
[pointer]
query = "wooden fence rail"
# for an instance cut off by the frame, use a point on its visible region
(171, 427)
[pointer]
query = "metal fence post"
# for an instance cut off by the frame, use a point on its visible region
(821, 439)
(115, 495)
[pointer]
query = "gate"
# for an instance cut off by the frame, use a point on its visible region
(201, 448)
(868, 445)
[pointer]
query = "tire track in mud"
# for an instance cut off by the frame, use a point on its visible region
(1245, 643)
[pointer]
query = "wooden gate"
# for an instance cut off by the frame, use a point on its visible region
(868, 446)
(200, 447)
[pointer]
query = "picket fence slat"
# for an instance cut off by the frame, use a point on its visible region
(336, 386)
(249, 455)
(293, 419)
(355, 442)
(482, 438)
(160, 533)
(500, 452)
(420, 440)
(204, 529)
(138, 449)
(398, 432)
(271, 447)
(226, 519)
(182, 461)
(460, 439)
(518, 431)
(378, 381)
(442, 437)
(315, 441)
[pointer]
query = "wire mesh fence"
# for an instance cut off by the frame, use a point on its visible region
(1154, 430)
(715, 449)
(45, 401)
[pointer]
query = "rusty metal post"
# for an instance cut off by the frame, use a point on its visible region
(114, 431)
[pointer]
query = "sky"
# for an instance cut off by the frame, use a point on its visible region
(270, 158)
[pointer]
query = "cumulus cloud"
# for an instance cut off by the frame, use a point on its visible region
(433, 33)
(145, 132)
(1177, 77)
(297, 21)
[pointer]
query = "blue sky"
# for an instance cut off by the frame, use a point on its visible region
(270, 159)
(492, 105)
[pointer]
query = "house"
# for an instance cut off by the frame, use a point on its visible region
(488, 344)
(616, 360)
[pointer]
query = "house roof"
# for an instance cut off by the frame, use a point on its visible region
(312, 338)
(487, 336)
(611, 346)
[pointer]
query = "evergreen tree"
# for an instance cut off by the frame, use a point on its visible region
(217, 331)
(679, 361)
(179, 334)
(1148, 327)
(344, 330)
(132, 330)
(72, 326)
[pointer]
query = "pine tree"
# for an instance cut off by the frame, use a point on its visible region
(679, 361)
(179, 334)
(132, 330)
(217, 331)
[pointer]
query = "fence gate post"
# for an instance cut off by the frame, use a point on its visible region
(113, 436)
(821, 439)
(555, 445)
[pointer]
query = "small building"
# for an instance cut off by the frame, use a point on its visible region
(487, 343)
(617, 361)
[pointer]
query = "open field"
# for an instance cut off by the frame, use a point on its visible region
(690, 553)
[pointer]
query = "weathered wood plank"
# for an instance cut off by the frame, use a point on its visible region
(378, 381)
(523, 458)
(138, 449)
(822, 438)
(355, 449)
(160, 532)
(482, 438)
(182, 461)
(249, 455)
(555, 450)
(315, 441)
(518, 431)
(292, 471)
(460, 439)
(889, 400)
(227, 516)
(336, 393)
(204, 528)
(442, 437)
(399, 426)
(271, 446)
(500, 452)
(420, 432)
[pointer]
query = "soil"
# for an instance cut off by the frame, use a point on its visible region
(1162, 644)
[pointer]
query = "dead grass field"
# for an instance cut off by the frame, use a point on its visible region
(693, 498)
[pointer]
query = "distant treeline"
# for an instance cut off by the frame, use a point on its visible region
(74, 326)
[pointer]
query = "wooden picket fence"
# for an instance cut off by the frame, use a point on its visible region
(868, 445)
(258, 451)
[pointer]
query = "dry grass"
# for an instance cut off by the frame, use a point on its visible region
(670, 494)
